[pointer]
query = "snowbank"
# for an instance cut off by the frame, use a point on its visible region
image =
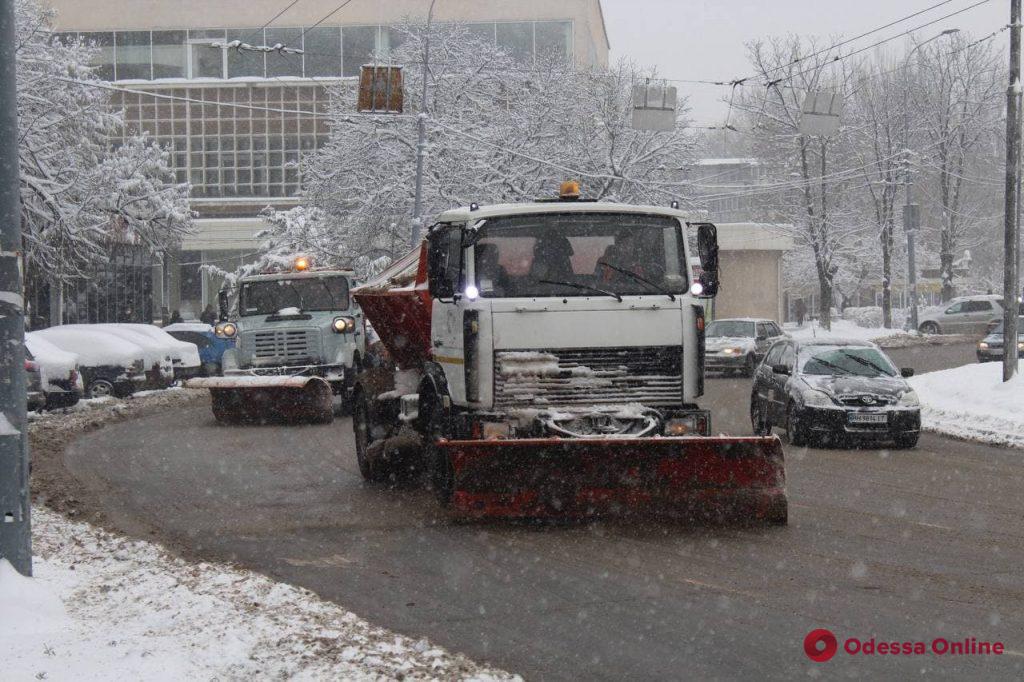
(842, 329)
(104, 607)
(973, 402)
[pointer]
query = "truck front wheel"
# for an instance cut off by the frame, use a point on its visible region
(439, 464)
(363, 435)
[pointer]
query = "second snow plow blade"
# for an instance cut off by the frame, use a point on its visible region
(268, 398)
(706, 478)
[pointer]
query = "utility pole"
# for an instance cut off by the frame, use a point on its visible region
(912, 211)
(421, 144)
(15, 535)
(1011, 218)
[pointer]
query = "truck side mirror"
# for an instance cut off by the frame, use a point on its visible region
(707, 248)
(224, 305)
(444, 262)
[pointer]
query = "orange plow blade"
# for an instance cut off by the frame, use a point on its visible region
(710, 478)
(248, 399)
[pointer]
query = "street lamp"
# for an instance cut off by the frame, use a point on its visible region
(911, 211)
(421, 144)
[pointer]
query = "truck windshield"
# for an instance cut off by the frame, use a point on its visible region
(309, 294)
(563, 254)
(730, 328)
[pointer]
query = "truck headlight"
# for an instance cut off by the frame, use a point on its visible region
(343, 325)
(910, 399)
(814, 398)
(228, 330)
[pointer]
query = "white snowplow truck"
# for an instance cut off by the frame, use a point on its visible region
(299, 339)
(549, 356)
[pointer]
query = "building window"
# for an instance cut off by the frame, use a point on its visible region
(134, 58)
(104, 59)
(281, 63)
(358, 47)
(170, 60)
(517, 40)
(323, 52)
(206, 61)
(553, 39)
(245, 63)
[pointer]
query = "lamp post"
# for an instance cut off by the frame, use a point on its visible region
(421, 144)
(911, 211)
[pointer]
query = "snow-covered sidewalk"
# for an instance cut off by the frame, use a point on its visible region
(103, 607)
(886, 338)
(972, 402)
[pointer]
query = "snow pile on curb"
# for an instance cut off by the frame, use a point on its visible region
(843, 329)
(972, 402)
(105, 607)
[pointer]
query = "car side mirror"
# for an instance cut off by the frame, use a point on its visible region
(707, 249)
(781, 369)
(906, 372)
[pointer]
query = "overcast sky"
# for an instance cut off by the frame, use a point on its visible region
(704, 39)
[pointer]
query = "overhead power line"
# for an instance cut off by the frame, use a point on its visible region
(272, 20)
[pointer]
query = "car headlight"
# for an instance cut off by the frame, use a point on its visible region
(910, 399)
(732, 351)
(228, 330)
(1020, 345)
(982, 345)
(814, 398)
(343, 325)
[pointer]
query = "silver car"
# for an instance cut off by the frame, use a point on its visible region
(738, 344)
(962, 315)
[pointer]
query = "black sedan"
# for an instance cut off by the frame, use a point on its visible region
(835, 389)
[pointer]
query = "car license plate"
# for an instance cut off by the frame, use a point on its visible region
(870, 418)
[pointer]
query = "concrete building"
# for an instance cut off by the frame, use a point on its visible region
(239, 156)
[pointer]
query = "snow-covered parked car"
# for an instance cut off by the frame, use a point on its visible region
(157, 356)
(36, 399)
(60, 380)
(108, 364)
(185, 356)
(211, 346)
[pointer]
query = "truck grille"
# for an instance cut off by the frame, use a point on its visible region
(650, 376)
(284, 345)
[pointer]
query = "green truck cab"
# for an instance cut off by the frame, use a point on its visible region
(298, 323)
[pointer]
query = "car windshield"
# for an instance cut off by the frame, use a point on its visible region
(578, 254)
(845, 360)
(308, 294)
(731, 328)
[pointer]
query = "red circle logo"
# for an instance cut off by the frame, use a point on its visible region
(820, 645)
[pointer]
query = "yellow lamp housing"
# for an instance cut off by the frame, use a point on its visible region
(344, 325)
(227, 330)
(301, 264)
(569, 191)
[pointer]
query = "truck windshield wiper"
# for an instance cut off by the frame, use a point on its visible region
(582, 287)
(638, 278)
(298, 294)
(323, 283)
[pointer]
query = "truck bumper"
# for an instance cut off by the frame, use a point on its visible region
(703, 477)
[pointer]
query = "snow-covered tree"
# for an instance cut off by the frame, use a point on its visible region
(498, 131)
(83, 184)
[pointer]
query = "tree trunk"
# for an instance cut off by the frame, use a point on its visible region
(825, 297)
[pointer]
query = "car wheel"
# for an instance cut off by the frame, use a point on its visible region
(795, 434)
(750, 365)
(929, 328)
(758, 419)
(100, 388)
(906, 442)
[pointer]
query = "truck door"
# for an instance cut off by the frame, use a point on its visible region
(446, 323)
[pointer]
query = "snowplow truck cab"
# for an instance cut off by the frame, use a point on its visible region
(550, 358)
(299, 340)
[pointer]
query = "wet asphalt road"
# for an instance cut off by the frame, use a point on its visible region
(896, 545)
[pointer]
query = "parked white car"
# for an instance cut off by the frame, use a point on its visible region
(59, 377)
(108, 364)
(184, 355)
(157, 356)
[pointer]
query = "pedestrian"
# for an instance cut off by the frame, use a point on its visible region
(801, 310)
(208, 316)
(176, 317)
